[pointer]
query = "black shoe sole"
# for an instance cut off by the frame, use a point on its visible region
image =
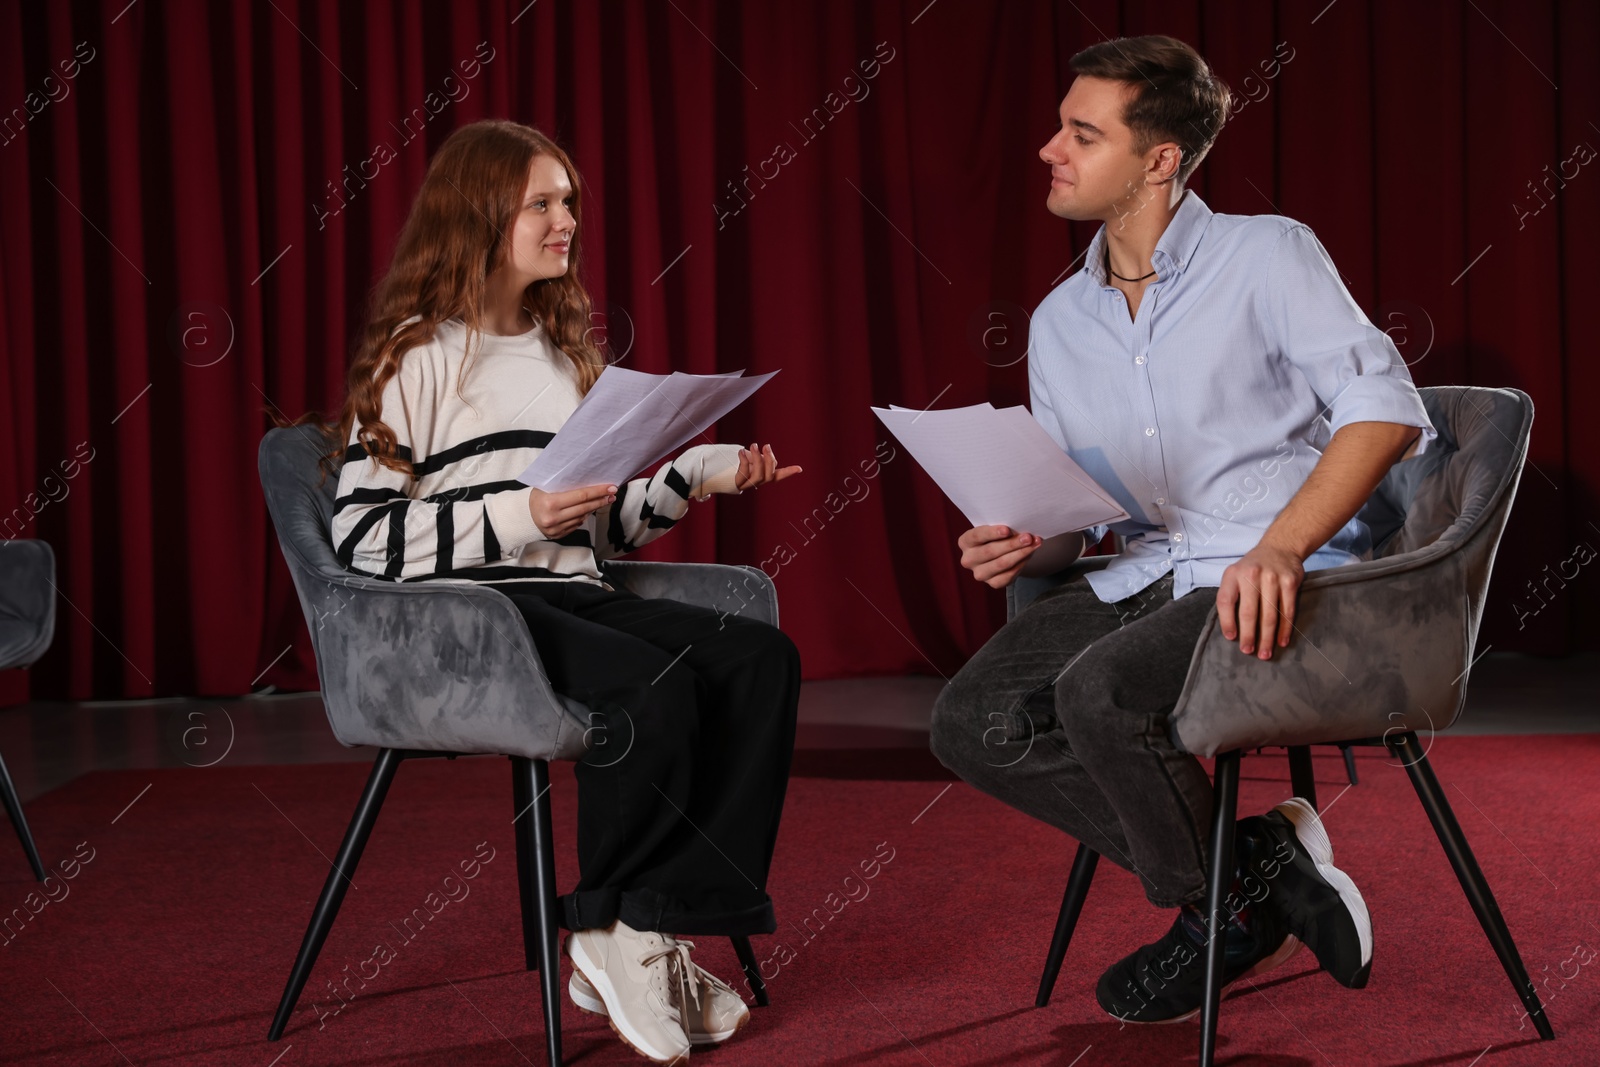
(1281, 955)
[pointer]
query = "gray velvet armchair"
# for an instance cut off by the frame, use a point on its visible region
(437, 669)
(1383, 650)
(27, 625)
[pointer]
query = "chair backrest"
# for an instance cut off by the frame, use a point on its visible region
(1445, 493)
(1385, 643)
(1457, 495)
(301, 509)
(414, 665)
(27, 601)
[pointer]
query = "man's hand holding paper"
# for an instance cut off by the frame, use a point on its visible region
(1003, 471)
(997, 554)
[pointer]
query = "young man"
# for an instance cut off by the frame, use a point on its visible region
(1213, 374)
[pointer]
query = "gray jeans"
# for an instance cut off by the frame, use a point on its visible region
(1063, 714)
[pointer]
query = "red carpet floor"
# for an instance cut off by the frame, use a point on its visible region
(174, 938)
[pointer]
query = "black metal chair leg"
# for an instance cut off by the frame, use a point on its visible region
(344, 866)
(1225, 808)
(1349, 764)
(14, 809)
(522, 825)
(752, 973)
(1473, 883)
(536, 823)
(1300, 776)
(1083, 865)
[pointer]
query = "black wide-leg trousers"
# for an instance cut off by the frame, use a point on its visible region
(692, 720)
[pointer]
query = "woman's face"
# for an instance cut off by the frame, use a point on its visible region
(541, 237)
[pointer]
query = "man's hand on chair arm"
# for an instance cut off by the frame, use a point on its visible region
(1258, 593)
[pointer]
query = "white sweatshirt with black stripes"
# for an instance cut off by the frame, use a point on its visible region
(464, 516)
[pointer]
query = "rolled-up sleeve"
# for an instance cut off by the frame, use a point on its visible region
(1352, 366)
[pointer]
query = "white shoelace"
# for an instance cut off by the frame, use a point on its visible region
(676, 954)
(711, 980)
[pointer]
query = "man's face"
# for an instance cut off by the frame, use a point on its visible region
(1093, 169)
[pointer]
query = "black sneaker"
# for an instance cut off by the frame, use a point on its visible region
(1317, 901)
(1164, 982)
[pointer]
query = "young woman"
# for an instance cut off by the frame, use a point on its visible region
(475, 352)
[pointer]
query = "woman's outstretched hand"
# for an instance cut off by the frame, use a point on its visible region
(757, 466)
(558, 514)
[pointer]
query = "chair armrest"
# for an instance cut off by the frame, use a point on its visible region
(736, 590)
(437, 666)
(1379, 646)
(27, 599)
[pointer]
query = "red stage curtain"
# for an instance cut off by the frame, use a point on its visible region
(193, 212)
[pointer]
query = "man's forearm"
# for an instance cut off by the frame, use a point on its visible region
(1351, 467)
(1057, 553)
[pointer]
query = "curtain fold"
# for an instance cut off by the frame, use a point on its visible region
(199, 197)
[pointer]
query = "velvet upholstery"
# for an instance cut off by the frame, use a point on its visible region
(439, 666)
(1382, 645)
(27, 601)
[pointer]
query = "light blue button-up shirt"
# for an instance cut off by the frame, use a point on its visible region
(1204, 415)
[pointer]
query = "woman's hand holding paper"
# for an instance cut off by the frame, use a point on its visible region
(558, 514)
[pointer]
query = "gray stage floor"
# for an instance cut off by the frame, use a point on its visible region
(846, 725)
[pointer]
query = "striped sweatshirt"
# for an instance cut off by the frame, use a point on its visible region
(464, 516)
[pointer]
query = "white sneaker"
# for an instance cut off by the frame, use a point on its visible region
(720, 1013)
(640, 978)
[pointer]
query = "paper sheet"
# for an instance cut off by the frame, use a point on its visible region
(1000, 467)
(629, 420)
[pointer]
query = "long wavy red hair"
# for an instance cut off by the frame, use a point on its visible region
(457, 233)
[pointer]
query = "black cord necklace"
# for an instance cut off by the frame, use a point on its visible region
(1107, 250)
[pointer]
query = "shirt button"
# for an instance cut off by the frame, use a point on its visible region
(1138, 359)
(1149, 431)
(1177, 537)
(1160, 500)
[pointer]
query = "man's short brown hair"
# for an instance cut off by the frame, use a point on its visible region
(1179, 97)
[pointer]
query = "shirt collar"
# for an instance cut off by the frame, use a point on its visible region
(1176, 246)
